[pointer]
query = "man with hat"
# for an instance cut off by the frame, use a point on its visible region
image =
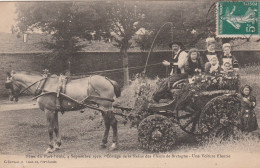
(178, 60)
(176, 63)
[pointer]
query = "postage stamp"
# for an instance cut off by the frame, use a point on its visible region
(237, 19)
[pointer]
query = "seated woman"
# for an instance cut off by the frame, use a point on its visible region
(194, 65)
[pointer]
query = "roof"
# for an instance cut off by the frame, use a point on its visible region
(14, 43)
(243, 44)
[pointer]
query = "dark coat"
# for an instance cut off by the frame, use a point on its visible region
(205, 59)
(191, 66)
(248, 116)
(234, 60)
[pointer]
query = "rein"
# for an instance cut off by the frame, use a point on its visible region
(31, 86)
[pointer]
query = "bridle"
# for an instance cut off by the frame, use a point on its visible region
(16, 96)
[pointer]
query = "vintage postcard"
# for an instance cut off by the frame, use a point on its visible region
(129, 84)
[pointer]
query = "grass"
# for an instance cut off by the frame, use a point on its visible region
(244, 142)
(25, 131)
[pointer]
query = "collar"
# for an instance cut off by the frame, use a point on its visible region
(175, 56)
(211, 52)
(178, 52)
(229, 55)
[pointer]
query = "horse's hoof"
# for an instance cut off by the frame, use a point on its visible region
(58, 143)
(49, 150)
(102, 146)
(82, 111)
(57, 148)
(113, 147)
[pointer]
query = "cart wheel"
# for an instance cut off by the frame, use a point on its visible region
(156, 133)
(221, 117)
(188, 121)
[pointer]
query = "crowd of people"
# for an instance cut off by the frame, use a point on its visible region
(186, 65)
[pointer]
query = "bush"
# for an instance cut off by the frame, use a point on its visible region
(137, 97)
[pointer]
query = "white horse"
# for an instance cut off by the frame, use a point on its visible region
(97, 89)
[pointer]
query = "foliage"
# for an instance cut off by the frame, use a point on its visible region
(218, 81)
(221, 117)
(191, 22)
(121, 21)
(137, 97)
(139, 94)
(156, 133)
(64, 21)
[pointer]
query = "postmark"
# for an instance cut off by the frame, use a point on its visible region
(237, 19)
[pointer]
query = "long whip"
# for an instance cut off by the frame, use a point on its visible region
(152, 46)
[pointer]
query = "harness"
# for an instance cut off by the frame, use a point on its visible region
(61, 93)
(61, 88)
(38, 89)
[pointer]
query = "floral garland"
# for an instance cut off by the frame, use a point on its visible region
(218, 81)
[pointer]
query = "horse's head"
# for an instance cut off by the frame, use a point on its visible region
(12, 86)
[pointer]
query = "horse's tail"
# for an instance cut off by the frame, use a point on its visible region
(117, 88)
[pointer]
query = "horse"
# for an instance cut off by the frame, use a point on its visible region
(96, 88)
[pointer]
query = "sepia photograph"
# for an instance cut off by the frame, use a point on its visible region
(125, 83)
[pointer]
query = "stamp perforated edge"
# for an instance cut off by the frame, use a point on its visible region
(236, 35)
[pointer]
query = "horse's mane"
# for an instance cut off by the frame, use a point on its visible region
(28, 73)
(33, 73)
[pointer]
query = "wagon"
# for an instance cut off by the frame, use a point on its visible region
(208, 106)
(199, 108)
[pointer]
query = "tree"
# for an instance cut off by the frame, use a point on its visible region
(64, 21)
(191, 22)
(122, 21)
(68, 22)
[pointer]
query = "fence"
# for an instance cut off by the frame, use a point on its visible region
(86, 62)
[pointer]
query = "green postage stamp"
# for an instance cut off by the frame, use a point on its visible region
(237, 19)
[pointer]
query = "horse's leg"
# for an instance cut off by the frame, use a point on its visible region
(56, 130)
(107, 127)
(114, 127)
(50, 121)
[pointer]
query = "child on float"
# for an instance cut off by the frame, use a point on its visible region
(228, 60)
(194, 64)
(212, 67)
(210, 58)
(226, 68)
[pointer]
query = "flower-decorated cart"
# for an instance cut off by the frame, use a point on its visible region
(202, 106)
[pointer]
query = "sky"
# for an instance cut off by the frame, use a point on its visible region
(7, 16)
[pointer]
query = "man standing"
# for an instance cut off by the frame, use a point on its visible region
(178, 60)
